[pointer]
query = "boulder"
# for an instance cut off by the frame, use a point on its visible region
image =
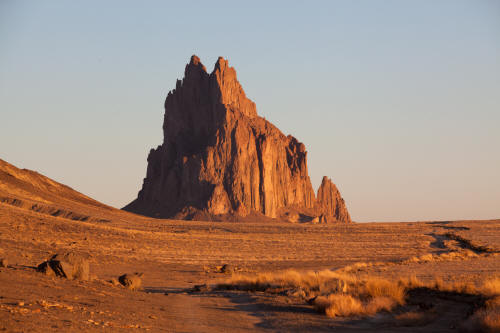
(4, 262)
(131, 281)
(68, 265)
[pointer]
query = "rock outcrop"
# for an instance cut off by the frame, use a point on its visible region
(131, 281)
(220, 160)
(330, 203)
(67, 265)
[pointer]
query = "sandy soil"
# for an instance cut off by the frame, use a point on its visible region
(177, 255)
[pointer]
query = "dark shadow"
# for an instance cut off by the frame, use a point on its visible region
(438, 242)
(444, 226)
(164, 290)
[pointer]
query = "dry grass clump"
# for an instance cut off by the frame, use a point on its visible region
(339, 294)
(376, 287)
(332, 293)
(362, 297)
(491, 286)
(335, 305)
(438, 284)
(344, 305)
(323, 281)
(447, 256)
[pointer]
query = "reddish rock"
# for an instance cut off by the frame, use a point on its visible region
(220, 159)
(68, 265)
(331, 206)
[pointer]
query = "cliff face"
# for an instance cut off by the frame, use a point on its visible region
(220, 159)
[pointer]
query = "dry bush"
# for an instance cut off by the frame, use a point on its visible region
(447, 256)
(491, 286)
(340, 305)
(380, 303)
(318, 282)
(439, 285)
(376, 287)
(344, 305)
(411, 282)
(336, 294)
(340, 294)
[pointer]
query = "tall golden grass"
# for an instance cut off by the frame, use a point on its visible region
(332, 293)
(340, 294)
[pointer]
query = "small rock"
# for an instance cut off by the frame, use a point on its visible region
(20, 303)
(227, 269)
(131, 281)
(4, 262)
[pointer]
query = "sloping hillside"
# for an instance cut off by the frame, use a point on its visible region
(30, 190)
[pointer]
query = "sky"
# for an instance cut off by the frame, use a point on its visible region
(397, 101)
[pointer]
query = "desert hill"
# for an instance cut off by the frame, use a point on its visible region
(31, 190)
(220, 159)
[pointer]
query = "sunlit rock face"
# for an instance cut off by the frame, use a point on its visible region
(220, 160)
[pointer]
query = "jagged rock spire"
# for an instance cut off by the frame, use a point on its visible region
(219, 159)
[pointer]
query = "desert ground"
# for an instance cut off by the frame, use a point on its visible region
(182, 261)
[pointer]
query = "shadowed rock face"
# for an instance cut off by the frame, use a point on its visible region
(219, 159)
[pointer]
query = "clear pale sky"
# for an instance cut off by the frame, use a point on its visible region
(397, 101)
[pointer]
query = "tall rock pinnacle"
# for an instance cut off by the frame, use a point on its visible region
(220, 160)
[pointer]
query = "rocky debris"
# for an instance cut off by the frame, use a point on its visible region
(131, 281)
(68, 265)
(220, 160)
(4, 262)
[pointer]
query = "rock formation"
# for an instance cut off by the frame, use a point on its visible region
(330, 203)
(68, 265)
(220, 160)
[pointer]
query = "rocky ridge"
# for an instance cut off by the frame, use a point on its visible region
(220, 160)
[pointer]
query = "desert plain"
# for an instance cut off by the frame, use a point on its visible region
(186, 287)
